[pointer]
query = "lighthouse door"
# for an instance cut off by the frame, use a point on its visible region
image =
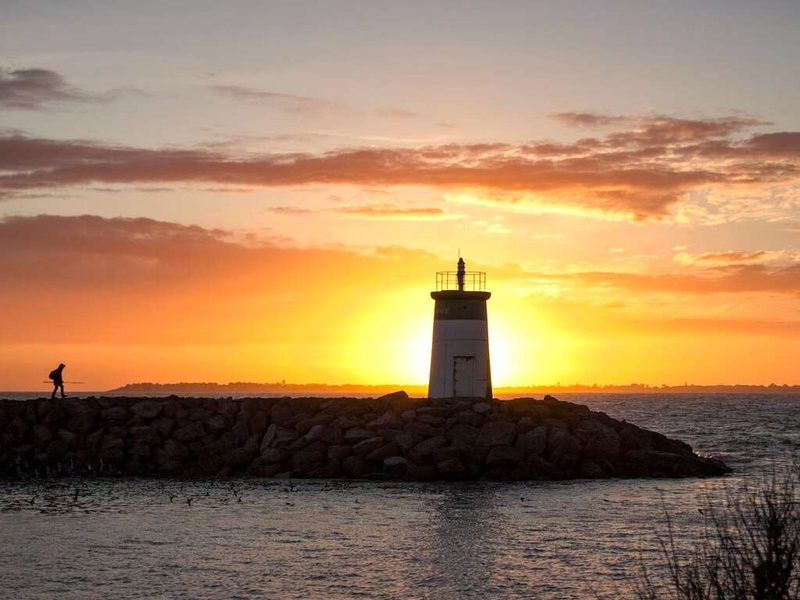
(463, 376)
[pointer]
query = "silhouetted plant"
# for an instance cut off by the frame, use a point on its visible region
(749, 550)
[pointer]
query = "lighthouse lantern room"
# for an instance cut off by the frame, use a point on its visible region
(460, 354)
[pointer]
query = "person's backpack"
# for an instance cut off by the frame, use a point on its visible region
(53, 374)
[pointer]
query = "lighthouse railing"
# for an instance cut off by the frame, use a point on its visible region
(474, 281)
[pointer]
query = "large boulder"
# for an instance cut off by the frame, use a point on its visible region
(497, 433)
(148, 409)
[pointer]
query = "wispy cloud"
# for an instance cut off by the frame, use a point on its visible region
(289, 210)
(41, 89)
(303, 106)
(392, 211)
(723, 279)
(589, 119)
(397, 113)
(730, 257)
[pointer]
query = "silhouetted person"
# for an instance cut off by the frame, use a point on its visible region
(57, 375)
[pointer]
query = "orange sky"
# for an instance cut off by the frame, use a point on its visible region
(273, 203)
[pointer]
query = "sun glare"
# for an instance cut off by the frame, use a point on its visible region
(391, 343)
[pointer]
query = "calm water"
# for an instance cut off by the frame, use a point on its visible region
(250, 538)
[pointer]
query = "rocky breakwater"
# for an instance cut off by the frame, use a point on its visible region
(392, 437)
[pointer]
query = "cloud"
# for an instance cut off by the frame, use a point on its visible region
(87, 279)
(41, 89)
(639, 173)
(727, 257)
(303, 106)
(397, 113)
(728, 279)
(289, 210)
(661, 128)
(588, 119)
(392, 211)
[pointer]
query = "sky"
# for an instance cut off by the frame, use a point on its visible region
(264, 191)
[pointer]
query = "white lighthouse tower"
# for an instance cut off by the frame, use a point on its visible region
(460, 354)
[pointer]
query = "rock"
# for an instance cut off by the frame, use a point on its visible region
(175, 451)
(42, 435)
(631, 470)
(395, 465)
(388, 434)
(497, 433)
(452, 468)
(561, 443)
(317, 432)
(432, 420)
(425, 448)
(200, 414)
(313, 455)
(284, 437)
(445, 453)
(364, 447)
(532, 443)
(355, 466)
(189, 432)
(339, 452)
(387, 420)
(216, 423)
(258, 422)
(56, 449)
(78, 406)
(408, 415)
(147, 409)
(482, 408)
(589, 469)
(282, 414)
(274, 455)
(240, 457)
(303, 423)
(115, 413)
(69, 438)
(422, 472)
(467, 417)
(599, 441)
(374, 439)
(81, 423)
(333, 436)
(269, 436)
(162, 427)
(399, 396)
(354, 435)
(385, 451)
(463, 433)
(407, 440)
(422, 429)
(435, 411)
(140, 448)
(503, 456)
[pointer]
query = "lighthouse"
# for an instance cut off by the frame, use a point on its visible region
(460, 354)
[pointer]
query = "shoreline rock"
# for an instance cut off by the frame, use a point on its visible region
(392, 437)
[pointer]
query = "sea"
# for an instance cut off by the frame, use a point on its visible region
(267, 538)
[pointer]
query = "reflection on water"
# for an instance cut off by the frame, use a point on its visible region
(248, 538)
(464, 519)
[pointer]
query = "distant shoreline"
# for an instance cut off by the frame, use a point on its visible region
(311, 388)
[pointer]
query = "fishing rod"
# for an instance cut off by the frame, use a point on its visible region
(69, 382)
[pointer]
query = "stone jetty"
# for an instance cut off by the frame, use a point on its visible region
(392, 437)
